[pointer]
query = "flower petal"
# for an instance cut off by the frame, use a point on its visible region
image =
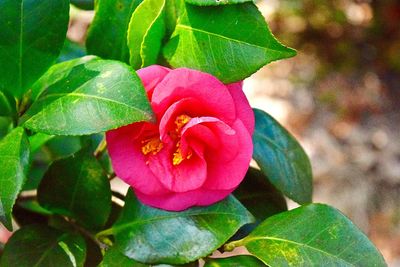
(128, 161)
(188, 175)
(215, 99)
(243, 109)
(182, 201)
(229, 174)
(151, 76)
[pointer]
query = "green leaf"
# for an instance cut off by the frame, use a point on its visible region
(83, 4)
(8, 106)
(155, 236)
(172, 13)
(33, 206)
(38, 140)
(145, 33)
(312, 235)
(14, 161)
(215, 2)
(6, 125)
(107, 36)
(231, 42)
(71, 51)
(237, 261)
(281, 158)
(38, 245)
(56, 74)
(259, 196)
(114, 258)
(31, 37)
(91, 97)
(78, 188)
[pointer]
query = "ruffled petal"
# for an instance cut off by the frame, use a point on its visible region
(243, 109)
(215, 99)
(228, 175)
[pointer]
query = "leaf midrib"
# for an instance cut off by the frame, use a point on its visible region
(61, 95)
(283, 150)
(48, 250)
(189, 28)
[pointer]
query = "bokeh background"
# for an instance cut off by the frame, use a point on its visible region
(340, 97)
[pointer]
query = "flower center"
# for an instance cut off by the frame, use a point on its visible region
(178, 156)
(152, 145)
(181, 121)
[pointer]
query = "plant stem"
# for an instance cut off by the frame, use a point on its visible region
(104, 233)
(111, 176)
(234, 244)
(85, 232)
(100, 149)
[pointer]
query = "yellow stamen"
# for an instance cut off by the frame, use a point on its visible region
(152, 145)
(181, 121)
(178, 157)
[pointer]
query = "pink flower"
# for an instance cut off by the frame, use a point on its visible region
(198, 151)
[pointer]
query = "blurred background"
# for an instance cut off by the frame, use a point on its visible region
(340, 97)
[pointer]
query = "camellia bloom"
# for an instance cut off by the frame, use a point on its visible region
(198, 151)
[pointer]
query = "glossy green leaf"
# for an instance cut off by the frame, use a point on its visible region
(71, 51)
(312, 235)
(34, 206)
(259, 196)
(8, 104)
(107, 36)
(57, 73)
(215, 2)
(156, 236)
(237, 261)
(88, 98)
(231, 42)
(77, 187)
(14, 161)
(38, 245)
(114, 258)
(83, 4)
(282, 159)
(32, 34)
(145, 33)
